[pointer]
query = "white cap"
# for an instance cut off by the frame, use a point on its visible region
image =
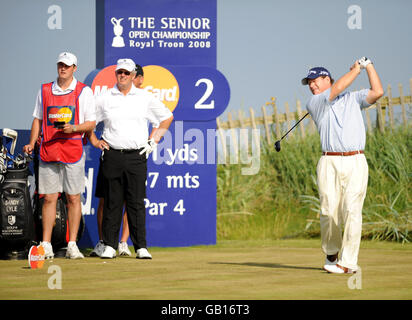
(126, 64)
(67, 58)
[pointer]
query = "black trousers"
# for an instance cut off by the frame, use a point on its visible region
(125, 182)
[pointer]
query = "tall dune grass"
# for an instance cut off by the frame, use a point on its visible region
(282, 200)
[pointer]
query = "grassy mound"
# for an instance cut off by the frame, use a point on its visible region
(281, 200)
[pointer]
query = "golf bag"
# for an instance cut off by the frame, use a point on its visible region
(16, 214)
(16, 223)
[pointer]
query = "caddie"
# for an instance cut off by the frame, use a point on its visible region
(64, 110)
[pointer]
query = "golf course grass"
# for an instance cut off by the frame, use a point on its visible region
(230, 270)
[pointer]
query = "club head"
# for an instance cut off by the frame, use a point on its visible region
(277, 145)
(10, 139)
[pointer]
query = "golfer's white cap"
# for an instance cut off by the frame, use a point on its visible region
(126, 64)
(67, 58)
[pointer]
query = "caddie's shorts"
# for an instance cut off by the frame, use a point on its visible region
(62, 177)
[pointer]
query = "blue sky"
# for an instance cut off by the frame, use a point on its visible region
(264, 47)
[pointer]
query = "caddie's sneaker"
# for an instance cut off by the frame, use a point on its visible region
(48, 250)
(98, 249)
(142, 253)
(73, 251)
(108, 253)
(124, 249)
(338, 269)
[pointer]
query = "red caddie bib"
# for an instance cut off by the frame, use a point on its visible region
(57, 146)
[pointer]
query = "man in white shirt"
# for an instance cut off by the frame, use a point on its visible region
(125, 111)
(64, 110)
(342, 171)
(123, 247)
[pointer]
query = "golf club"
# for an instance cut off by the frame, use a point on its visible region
(3, 164)
(11, 139)
(277, 143)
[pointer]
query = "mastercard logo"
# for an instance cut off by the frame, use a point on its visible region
(60, 114)
(157, 80)
(36, 257)
(104, 80)
(162, 83)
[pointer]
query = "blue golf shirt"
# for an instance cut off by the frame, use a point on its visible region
(339, 122)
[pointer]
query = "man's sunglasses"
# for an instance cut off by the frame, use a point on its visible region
(127, 73)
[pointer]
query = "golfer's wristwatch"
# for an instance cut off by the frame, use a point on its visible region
(74, 129)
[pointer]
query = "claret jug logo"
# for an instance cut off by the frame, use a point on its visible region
(157, 80)
(60, 113)
(118, 41)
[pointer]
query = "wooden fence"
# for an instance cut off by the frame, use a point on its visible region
(386, 103)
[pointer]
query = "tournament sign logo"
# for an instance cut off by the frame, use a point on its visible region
(60, 113)
(36, 257)
(118, 41)
(157, 80)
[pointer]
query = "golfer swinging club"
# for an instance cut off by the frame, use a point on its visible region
(342, 171)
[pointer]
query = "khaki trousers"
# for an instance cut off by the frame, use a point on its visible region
(342, 183)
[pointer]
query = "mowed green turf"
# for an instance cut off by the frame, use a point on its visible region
(284, 269)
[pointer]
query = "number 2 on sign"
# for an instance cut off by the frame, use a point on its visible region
(179, 207)
(209, 89)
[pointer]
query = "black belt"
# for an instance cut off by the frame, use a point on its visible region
(126, 150)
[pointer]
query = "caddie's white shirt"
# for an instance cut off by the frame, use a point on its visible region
(87, 107)
(126, 117)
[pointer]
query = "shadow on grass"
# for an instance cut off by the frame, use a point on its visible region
(266, 265)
